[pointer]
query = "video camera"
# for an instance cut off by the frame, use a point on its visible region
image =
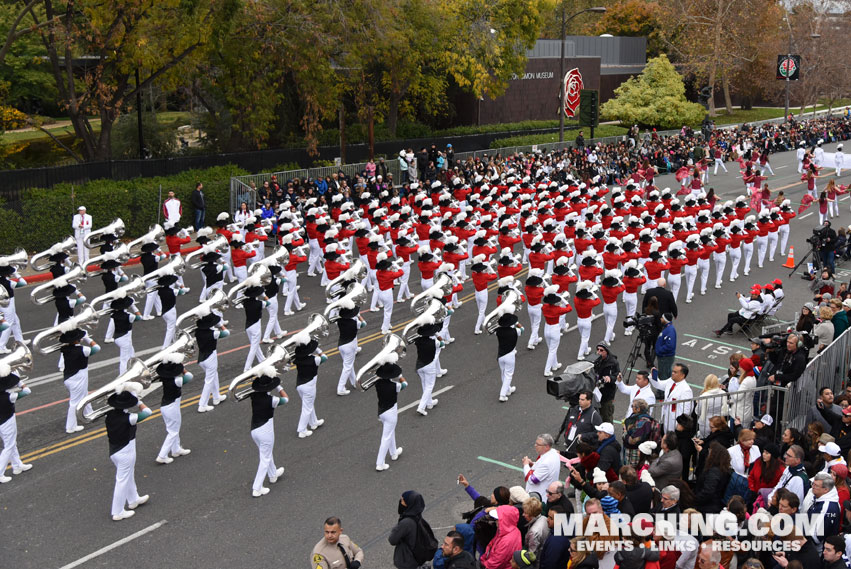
(644, 323)
(777, 342)
(577, 378)
(818, 238)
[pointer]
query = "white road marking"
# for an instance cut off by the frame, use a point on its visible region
(417, 402)
(784, 166)
(114, 545)
(806, 215)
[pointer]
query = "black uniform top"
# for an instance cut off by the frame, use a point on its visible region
(167, 297)
(106, 247)
(64, 308)
(57, 270)
(253, 311)
(262, 409)
(119, 430)
(507, 337)
(7, 406)
(123, 323)
(272, 288)
(7, 284)
(171, 389)
(387, 394)
(207, 339)
(212, 273)
(348, 330)
(426, 350)
(149, 263)
(110, 281)
(306, 368)
(75, 357)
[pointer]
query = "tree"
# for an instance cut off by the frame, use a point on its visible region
(631, 18)
(654, 98)
(29, 85)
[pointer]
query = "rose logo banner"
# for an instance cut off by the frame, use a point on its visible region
(572, 86)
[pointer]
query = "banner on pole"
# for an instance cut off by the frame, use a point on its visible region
(788, 67)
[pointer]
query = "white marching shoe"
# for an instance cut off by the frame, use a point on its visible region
(262, 492)
(123, 515)
(278, 473)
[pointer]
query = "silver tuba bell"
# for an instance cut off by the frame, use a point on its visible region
(338, 287)
(120, 254)
(188, 321)
(137, 372)
(276, 362)
(20, 359)
(261, 276)
(442, 287)
(280, 257)
(356, 296)
(435, 312)
(41, 261)
(317, 326)
(155, 234)
(175, 266)
(394, 349)
(43, 293)
(134, 288)
(86, 320)
(95, 238)
(509, 305)
(184, 344)
(19, 259)
(218, 245)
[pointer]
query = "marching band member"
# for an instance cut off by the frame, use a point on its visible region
(121, 432)
(168, 294)
(263, 405)
(707, 248)
(719, 256)
(676, 261)
(213, 270)
(65, 300)
(259, 240)
(111, 277)
(482, 275)
(390, 383)
(333, 266)
(787, 214)
(222, 223)
(240, 256)
(10, 280)
(291, 280)
(175, 238)
(405, 247)
(209, 330)
(764, 225)
(584, 301)
(150, 259)
(173, 376)
(427, 346)
(633, 277)
(693, 251)
(554, 306)
(737, 236)
(386, 274)
(75, 358)
(349, 322)
(611, 287)
(750, 229)
(271, 295)
(308, 356)
(82, 226)
(428, 263)
(9, 423)
(534, 291)
(253, 321)
(777, 221)
(507, 332)
(124, 330)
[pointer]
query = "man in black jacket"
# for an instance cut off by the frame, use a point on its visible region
(580, 422)
(640, 493)
(453, 552)
(617, 490)
(609, 449)
(199, 204)
(606, 368)
(667, 302)
(790, 364)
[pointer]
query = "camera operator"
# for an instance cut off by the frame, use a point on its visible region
(649, 327)
(824, 242)
(580, 423)
(606, 369)
(789, 358)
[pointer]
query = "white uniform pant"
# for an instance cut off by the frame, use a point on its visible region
(125, 350)
(761, 245)
(482, 305)
(307, 392)
(428, 375)
(273, 326)
(172, 420)
(152, 301)
(211, 380)
(426, 283)
(506, 370)
(292, 292)
(264, 437)
(535, 324)
(584, 327)
(385, 297)
(125, 478)
(11, 317)
(735, 259)
(78, 388)
(444, 332)
(255, 353)
(610, 312)
(82, 250)
(720, 262)
(691, 276)
(348, 352)
(719, 162)
(404, 291)
(208, 290)
(747, 248)
(10, 454)
(170, 318)
(783, 230)
(772, 245)
(763, 168)
(241, 273)
(388, 434)
(229, 266)
(552, 336)
(703, 267)
(675, 281)
(314, 261)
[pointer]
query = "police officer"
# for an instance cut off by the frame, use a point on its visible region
(336, 550)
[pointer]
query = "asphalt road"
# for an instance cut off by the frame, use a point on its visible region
(201, 512)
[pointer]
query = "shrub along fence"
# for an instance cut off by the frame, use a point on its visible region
(43, 216)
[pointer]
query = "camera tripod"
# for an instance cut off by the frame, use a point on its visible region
(816, 263)
(637, 346)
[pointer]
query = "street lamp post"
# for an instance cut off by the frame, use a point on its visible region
(595, 9)
(789, 56)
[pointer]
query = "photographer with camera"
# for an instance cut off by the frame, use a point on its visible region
(606, 370)
(824, 244)
(789, 358)
(750, 308)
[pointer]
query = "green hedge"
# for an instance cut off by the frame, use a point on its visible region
(531, 139)
(47, 213)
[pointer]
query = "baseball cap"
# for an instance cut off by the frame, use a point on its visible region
(606, 428)
(767, 420)
(81, 208)
(830, 448)
(847, 303)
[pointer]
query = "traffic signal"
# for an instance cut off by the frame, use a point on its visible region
(589, 108)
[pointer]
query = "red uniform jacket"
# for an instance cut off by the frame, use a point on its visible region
(584, 305)
(534, 294)
(239, 257)
(386, 279)
(481, 280)
(611, 293)
(552, 312)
